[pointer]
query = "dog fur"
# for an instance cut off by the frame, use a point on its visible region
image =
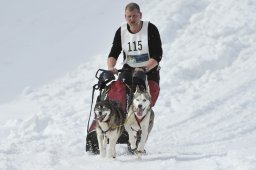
(109, 126)
(140, 118)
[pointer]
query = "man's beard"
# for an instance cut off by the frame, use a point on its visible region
(134, 24)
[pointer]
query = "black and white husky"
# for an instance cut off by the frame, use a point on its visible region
(109, 126)
(140, 120)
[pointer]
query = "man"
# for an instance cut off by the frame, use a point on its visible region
(142, 48)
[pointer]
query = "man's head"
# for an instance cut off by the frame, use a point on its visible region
(133, 14)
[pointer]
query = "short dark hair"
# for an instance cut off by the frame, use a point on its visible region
(132, 6)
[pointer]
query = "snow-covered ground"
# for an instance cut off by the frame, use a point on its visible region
(205, 116)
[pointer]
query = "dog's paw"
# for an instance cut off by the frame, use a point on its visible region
(112, 156)
(132, 151)
(137, 153)
(102, 153)
(141, 152)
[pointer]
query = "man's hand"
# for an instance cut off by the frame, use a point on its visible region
(114, 70)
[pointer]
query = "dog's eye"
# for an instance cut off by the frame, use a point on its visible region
(105, 109)
(144, 100)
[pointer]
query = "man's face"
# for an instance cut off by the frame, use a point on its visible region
(133, 17)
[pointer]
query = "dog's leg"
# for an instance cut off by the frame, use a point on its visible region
(144, 134)
(132, 137)
(143, 140)
(102, 149)
(112, 144)
(132, 128)
(104, 145)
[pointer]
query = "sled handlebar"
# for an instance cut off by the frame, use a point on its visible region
(103, 70)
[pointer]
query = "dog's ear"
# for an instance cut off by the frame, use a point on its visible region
(137, 89)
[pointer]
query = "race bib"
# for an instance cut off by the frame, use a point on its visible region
(135, 46)
(137, 60)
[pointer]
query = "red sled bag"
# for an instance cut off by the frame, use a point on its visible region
(154, 91)
(117, 92)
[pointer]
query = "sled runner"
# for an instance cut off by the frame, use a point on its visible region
(120, 91)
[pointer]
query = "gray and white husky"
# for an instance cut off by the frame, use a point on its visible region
(140, 120)
(109, 126)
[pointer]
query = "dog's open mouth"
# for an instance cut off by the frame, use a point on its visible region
(100, 118)
(140, 111)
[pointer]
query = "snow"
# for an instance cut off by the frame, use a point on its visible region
(205, 116)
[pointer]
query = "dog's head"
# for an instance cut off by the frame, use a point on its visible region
(102, 111)
(141, 102)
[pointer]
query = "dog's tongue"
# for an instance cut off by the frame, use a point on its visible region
(101, 118)
(140, 111)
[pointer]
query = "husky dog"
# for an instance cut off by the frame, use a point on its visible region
(109, 126)
(140, 120)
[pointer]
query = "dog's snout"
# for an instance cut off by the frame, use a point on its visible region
(140, 106)
(100, 113)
